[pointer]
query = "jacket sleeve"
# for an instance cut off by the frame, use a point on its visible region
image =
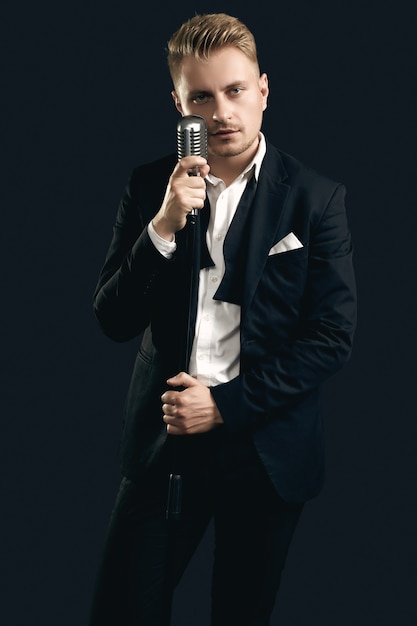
(129, 278)
(273, 380)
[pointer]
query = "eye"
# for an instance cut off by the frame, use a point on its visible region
(199, 98)
(235, 91)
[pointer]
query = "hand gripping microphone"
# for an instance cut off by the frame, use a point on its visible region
(192, 141)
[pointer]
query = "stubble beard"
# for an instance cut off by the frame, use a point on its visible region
(227, 151)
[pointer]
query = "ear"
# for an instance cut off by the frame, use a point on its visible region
(264, 89)
(177, 101)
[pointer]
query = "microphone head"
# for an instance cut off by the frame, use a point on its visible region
(192, 136)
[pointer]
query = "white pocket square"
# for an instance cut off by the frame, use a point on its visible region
(290, 242)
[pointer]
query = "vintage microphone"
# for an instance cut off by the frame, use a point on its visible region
(191, 141)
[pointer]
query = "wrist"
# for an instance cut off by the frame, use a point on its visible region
(163, 228)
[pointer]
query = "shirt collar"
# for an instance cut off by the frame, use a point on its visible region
(258, 158)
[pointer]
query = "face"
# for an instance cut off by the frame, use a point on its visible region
(229, 93)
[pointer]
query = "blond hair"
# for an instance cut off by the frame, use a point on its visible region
(203, 34)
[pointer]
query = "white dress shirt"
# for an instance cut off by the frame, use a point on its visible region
(215, 352)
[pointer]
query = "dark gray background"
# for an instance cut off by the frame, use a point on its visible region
(85, 97)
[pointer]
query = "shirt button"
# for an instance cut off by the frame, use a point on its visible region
(219, 237)
(214, 279)
(207, 318)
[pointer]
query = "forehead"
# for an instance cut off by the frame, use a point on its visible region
(224, 67)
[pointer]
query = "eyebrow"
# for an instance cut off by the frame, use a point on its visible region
(236, 83)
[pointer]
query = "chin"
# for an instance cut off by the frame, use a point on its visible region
(228, 150)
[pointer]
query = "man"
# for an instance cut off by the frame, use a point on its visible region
(272, 318)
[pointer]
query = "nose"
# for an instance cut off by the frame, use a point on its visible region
(221, 112)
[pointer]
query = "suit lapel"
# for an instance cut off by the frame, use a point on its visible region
(266, 215)
(235, 249)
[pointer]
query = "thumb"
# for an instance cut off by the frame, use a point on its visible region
(182, 380)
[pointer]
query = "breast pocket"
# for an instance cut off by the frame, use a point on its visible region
(284, 277)
(289, 256)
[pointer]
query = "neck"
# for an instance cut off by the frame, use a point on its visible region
(228, 168)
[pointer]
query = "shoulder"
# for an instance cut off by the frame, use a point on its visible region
(296, 173)
(309, 192)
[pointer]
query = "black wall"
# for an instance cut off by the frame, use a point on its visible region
(85, 97)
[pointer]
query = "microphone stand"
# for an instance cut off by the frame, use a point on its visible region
(173, 510)
(174, 502)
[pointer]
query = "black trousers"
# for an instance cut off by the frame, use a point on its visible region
(145, 555)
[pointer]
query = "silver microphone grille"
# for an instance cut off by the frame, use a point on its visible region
(192, 136)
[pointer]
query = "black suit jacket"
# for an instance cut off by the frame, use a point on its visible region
(298, 312)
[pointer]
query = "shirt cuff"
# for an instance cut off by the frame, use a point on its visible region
(166, 248)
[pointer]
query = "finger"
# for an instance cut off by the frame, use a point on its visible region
(187, 196)
(169, 397)
(189, 162)
(173, 426)
(196, 186)
(199, 172)
(169, 410)
(173, 430)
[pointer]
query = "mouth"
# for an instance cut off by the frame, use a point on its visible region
(225, 133)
